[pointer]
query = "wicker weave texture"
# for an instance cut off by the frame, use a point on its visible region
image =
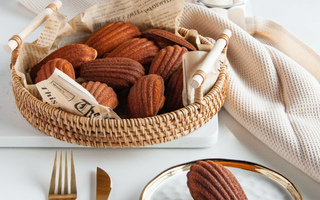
(122, 133)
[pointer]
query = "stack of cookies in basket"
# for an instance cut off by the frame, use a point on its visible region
(142, 72)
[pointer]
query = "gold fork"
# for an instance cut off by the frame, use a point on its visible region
(63, 192)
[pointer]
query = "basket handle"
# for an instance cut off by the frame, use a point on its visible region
(200, 75)
(14, 43)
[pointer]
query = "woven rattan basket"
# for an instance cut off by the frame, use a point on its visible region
(105, 133)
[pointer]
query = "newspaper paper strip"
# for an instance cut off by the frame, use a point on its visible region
(54, 24)
(145, 14)
(62, 92)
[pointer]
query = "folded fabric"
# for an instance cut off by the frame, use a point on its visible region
(270, 91)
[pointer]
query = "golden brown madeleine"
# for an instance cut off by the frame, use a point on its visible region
(174, 90)
(211, 180)
(165, 38)
(118, 73)
(110, 36)
(48, 68)
(102, 93)
(139, 49)
(146, 96)
(76, 54)
(167, 61)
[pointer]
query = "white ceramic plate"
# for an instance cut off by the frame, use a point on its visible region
(258, 182)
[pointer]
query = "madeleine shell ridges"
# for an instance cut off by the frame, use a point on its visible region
(165, 38)
(48, 68)
(139, 49)
(167, 61)
(110, 36)
(104, 94)
(211, 180)
(76, 54)
(118, 73)
(173, 92)
(146, 96)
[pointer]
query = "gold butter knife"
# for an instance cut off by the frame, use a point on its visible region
(104, 185)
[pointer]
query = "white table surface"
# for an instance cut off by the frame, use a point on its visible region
(25, 172)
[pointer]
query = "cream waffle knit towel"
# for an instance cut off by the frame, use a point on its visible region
(274, 89)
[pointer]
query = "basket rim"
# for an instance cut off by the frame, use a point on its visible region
(124, 132)
(121, 133)
(207, 97)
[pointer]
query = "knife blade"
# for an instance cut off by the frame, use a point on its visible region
(104, 185)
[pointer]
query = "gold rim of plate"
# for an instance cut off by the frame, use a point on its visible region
(245, 165)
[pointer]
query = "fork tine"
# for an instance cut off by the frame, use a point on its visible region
(60, 175)
(73, 177)
(62, 192)
(66, 175)
(53, 176)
